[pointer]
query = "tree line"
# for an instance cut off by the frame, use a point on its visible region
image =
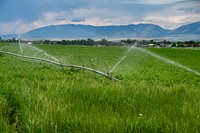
(104, 42)
(164, 43)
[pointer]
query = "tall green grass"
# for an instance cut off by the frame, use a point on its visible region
(152, 97)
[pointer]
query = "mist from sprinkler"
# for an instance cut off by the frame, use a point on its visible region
(41, 51)
(169, 61)
(155, 56)
(2, 47)
(108, 74)
(117, 64)
(55, 61)
(19, 41)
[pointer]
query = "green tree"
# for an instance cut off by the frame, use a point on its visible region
(90, 42)
(104, 42)
(180, 44)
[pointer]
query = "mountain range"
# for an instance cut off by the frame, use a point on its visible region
(72, 31)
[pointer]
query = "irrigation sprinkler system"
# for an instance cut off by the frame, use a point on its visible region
(57, 62)
(89, 66)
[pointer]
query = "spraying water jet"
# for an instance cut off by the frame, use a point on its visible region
(115, 66)
(20, 46)
(169, 61)
(55, 61)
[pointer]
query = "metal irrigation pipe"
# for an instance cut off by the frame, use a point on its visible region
(51, 57)
(62, 65)
(105, 64)
(68, 58)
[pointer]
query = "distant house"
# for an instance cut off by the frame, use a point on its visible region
(98, 45)
(150, 46)
(153, 45)
(30, 43)
(162, 45)
(145, 46)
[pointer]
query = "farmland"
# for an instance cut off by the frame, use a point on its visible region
(153, 96)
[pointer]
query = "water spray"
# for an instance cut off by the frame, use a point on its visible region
(46, 54)
(155, 56)
(122, 58)
(2, 47)
(19, 41)
(57, 62)
(169, 61)
(51, 57)
(117, 63)
(63, 65)
(37, 52)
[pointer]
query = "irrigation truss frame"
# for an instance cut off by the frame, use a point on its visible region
(107, 75)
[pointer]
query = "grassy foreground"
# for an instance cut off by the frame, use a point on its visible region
(153, 96)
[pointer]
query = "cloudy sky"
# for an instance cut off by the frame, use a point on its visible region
(24, 15)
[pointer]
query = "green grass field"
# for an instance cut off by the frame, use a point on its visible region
(153, 96)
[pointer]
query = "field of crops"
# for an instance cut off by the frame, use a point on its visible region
(153, 95)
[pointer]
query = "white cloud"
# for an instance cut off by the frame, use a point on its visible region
(163, 12)
(11, 27)
(60, 15)
(170, 22)
(21, 27)
(95, 12)
(172, 18)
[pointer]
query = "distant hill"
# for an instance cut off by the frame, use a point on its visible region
(88, 31)
(72, 31)
(193, 28)
(9, 36)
